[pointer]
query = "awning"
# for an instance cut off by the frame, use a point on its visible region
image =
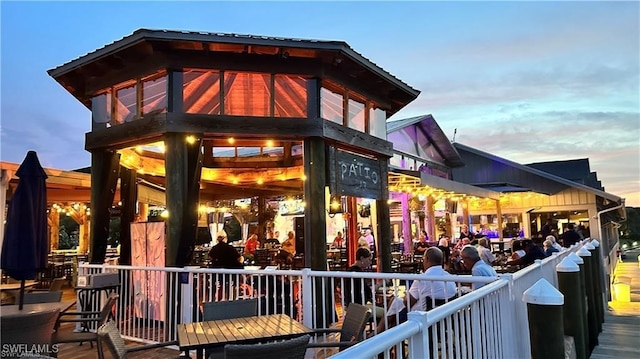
(423, 183)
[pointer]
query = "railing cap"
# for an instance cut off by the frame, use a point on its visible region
(589, 246)
(567, 265)
(542, 292)
(583, 252)
(576, 258)
(595, 243)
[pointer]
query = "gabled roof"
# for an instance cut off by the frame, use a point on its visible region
(335, 52)
(430, 128)
(537, 173)
(577, 170)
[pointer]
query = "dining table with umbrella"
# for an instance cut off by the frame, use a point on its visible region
(25, 246)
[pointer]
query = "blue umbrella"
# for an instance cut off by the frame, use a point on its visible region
(25, 246)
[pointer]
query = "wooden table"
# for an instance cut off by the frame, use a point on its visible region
(16, 286)
(215, 333)
(12, 310)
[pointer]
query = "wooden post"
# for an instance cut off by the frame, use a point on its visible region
(104, 178)
(183, 165)
(406, 224)
(54, 228)
(315, 227)
(544, 306)
(573, 314)
(592, 316)
(599, 276)
(383, 219)
(128, 197)
(583, 298)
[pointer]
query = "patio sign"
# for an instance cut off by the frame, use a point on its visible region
(354, 175)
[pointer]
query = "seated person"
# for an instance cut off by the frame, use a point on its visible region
(548, 247)
(518, 250)
(422, 295)
(338, 241)
(250, 246)
(485, 252)
(478, 267)
(223, 255)
(288, 250)
(532, 252)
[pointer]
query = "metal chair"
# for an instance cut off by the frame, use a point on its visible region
(55, 285)
(109, 334)
(352, 330)
(29, 330)
(226, 310)
(289, 349)
(42, 297)
(230, 309)
(86, 318)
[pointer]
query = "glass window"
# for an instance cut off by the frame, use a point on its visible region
(356, 115)
(201, 92)
(247, 94)
(331, 106)
(154, 95)
(378, 123)
(126, 104)
(397, 161)
(290, 96)
(101, 108)
(223, 152)
(248, 151)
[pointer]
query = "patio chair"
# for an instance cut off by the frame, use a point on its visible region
(109, 334)
(289, 349)
(29, 330)
(227, 310)
(56, 285)
(86, 318)
(230, 309)
(352, 330)
(42, 297)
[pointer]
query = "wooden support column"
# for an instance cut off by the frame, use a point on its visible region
(383, 232)
(262, 205)
(352, 225)
(183, 166)
(315, 228)
(143, 212)
(128, 197)
(499, 214)
(465, 213)
(430, 218)
(104, 178)
(406, 223)
(83, 236)
(53, 220)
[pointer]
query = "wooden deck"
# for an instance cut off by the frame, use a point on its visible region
(620, 337)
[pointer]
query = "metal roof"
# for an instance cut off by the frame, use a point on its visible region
(539, 173)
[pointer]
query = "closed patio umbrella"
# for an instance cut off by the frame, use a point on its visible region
(25, 245)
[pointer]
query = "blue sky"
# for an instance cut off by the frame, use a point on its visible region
(527, 81)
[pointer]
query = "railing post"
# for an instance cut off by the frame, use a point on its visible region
(592, 315)
(419, 343)
(544, 306)
(572, 314)
(187, 294)
(599, 283)
(511, 325)
(307, 298)
(583, 297)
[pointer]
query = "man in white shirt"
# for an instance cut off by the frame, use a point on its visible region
(472, 261)
(423, 294)
(485, 252)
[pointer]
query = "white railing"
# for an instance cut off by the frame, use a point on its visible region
(488, 322)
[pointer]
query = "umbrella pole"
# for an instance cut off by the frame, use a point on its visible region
(21, 296)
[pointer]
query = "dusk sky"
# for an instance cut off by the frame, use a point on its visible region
(526, 81)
